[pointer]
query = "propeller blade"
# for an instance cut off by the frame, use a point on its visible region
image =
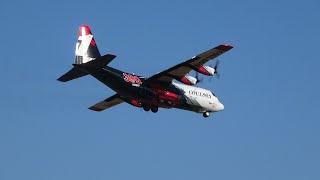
(218, 75)
(216, 69)
(210, 79)
(197, 77)
(217, 64)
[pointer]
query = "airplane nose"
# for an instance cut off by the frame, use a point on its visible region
(220, 107)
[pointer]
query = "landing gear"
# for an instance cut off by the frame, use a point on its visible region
(169, 103)
(161, 101)
(206, 114)
(146, 108)
(154, 109)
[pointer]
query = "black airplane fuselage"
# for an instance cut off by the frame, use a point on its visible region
(131, 87)
(157, 91)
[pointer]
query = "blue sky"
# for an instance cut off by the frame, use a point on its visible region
(269, 86)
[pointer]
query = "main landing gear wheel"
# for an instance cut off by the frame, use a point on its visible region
(146, 108)
(206, 114)
(154, 109)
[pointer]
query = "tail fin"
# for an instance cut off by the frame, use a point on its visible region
(86, 54)
(86, 47)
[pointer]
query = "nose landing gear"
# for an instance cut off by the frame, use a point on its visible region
(206, 114)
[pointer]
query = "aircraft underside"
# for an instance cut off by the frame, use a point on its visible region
(152, 93)
(147, 97)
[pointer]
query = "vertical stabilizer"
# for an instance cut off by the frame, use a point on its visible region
(87, 54)
(86, 47)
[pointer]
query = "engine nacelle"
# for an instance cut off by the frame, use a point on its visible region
(206, 70)
(189, 80)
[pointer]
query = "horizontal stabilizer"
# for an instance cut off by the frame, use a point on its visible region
(107, 103)
(75, 72)
(72, 74)
(100, 62)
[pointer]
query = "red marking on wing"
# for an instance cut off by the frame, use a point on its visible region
(225, 47)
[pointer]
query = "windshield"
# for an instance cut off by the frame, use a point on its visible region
(213, 93)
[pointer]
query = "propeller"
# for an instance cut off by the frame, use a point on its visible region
(215, 72)
(216, 69)
(197, 77)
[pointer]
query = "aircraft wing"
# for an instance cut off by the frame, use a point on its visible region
(184, 68)
(107, 103)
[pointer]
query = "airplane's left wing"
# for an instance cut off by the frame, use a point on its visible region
(182, 69)
(107, 103)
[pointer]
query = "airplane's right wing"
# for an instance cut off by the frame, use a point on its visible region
(107, 103)
(180, 70)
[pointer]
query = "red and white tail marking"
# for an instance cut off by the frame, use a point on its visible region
(84, 30)
(86, 48)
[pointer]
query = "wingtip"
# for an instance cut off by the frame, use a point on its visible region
(224, 47)
(59, 79)
(95, 109)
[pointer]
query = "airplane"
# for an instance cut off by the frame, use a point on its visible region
(152, 93)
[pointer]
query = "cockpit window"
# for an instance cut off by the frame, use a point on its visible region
(213, 93)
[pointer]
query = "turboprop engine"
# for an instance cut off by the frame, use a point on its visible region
(189, 80)
(206, 70)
